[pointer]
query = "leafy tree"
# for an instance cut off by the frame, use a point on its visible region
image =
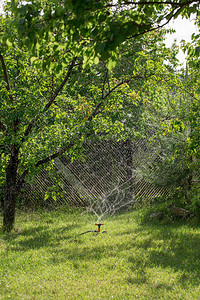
(172, 114)
(51, 106)
(44, 44)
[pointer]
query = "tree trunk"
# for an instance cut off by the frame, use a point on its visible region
(129, 166)
(10, 191)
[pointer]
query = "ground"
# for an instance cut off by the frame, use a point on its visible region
(45, 258)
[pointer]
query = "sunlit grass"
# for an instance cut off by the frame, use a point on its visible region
(44, 258)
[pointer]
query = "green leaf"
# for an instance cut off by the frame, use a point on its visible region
(33, 58)
(96, 60)
(111, 64)
(46, 196)
(8, 43)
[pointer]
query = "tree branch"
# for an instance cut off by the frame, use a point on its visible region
(104, 82)
(171, 14)
(95, 112)
(61, 86)
(52, 99)
(63, 150)
(18, 71)
(172, 3)
(2, 126)
(42, 162)
(6, 77)
(55, 155)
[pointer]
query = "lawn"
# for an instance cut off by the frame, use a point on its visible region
(44, 258)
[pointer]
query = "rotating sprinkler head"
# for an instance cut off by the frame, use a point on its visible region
(99, 226)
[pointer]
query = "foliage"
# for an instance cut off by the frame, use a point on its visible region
(172, 117)
(101, 26)
(87, 106)
(51, 104)
(93, 101)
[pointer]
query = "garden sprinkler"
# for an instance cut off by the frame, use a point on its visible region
(99, 228)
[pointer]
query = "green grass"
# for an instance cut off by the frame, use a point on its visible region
(43, 259)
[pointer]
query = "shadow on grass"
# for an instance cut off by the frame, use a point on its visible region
(170, 247)
(180, 252)
(39, 236)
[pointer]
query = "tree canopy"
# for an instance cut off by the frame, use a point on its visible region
(92, 29)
